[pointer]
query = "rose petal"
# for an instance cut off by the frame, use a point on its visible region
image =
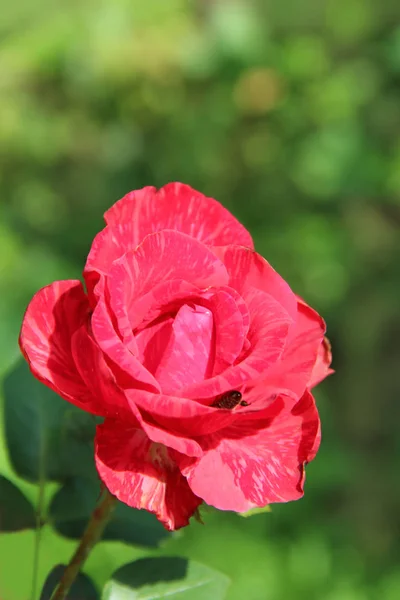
(163, 298)
(52, 317)
(292, 374)
(269, 327)
(179, 207)
(248, 270)
(175, 206)
(143, 474)
(244, 467)
(231, 323)
(321, 368)
(181, 351)
(127, 368)
(163, 256)
(97, 376)
(153, 342)
(183, 416)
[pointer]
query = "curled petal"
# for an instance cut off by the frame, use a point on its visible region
(179, 207)
(176, 206)
(143, 474)
(183, 416)
(294, 371)
(248, 270)
(255, 463)
(322, 366)
(231, 323)
(54, 314)
(181, 352)
(127, 368)
(163, 256)
(97, 375)
(268, 332)
(161, 299)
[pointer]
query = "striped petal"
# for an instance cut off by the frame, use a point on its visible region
(248, 270)
(255, 463)
(268, 332)
(163, 256)
(54, 314)
(177, 207)
(298, 366)
(143, 474)
(180, 351)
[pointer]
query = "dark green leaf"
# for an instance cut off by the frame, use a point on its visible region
(166, 577)
(72, 505)
(82, 588)
(44, 433)
(16, 512)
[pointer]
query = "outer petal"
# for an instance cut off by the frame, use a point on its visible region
(175, 206)
(178, 206)
(51, 319)
(143, 474)
(322, 366)
(245, 467)
(297, 367)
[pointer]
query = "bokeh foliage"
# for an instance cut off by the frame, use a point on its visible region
(288, 112)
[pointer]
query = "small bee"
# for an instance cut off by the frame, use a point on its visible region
(229, 400)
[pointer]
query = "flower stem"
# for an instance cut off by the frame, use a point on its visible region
(92, 534)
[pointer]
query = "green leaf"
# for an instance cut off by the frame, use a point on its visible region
(82, 589)
(45, 435)
(258, 510)
(166, 577)
(73, 504)
(16, 512)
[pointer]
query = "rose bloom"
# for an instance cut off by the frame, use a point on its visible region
(195, 351)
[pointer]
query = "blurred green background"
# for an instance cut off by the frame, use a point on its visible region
(287, 112)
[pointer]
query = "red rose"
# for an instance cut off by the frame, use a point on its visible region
(196, 352)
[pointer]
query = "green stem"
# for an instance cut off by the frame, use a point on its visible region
(40, 508)
(38, 532)
(92, 534)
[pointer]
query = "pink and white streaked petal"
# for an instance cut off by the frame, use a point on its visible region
(143, 474)
(176, 206)
(169, 437)
(53, 315)
(231, 323)
(269, 327)
(186, 417)
(164, 298)
(245, 467)
(179, 207)
(98, 376)
(298, 368)
(247, 269)
(127, 368)
(107, 247)
(152, 343)
(185, 353)
(162, 256)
